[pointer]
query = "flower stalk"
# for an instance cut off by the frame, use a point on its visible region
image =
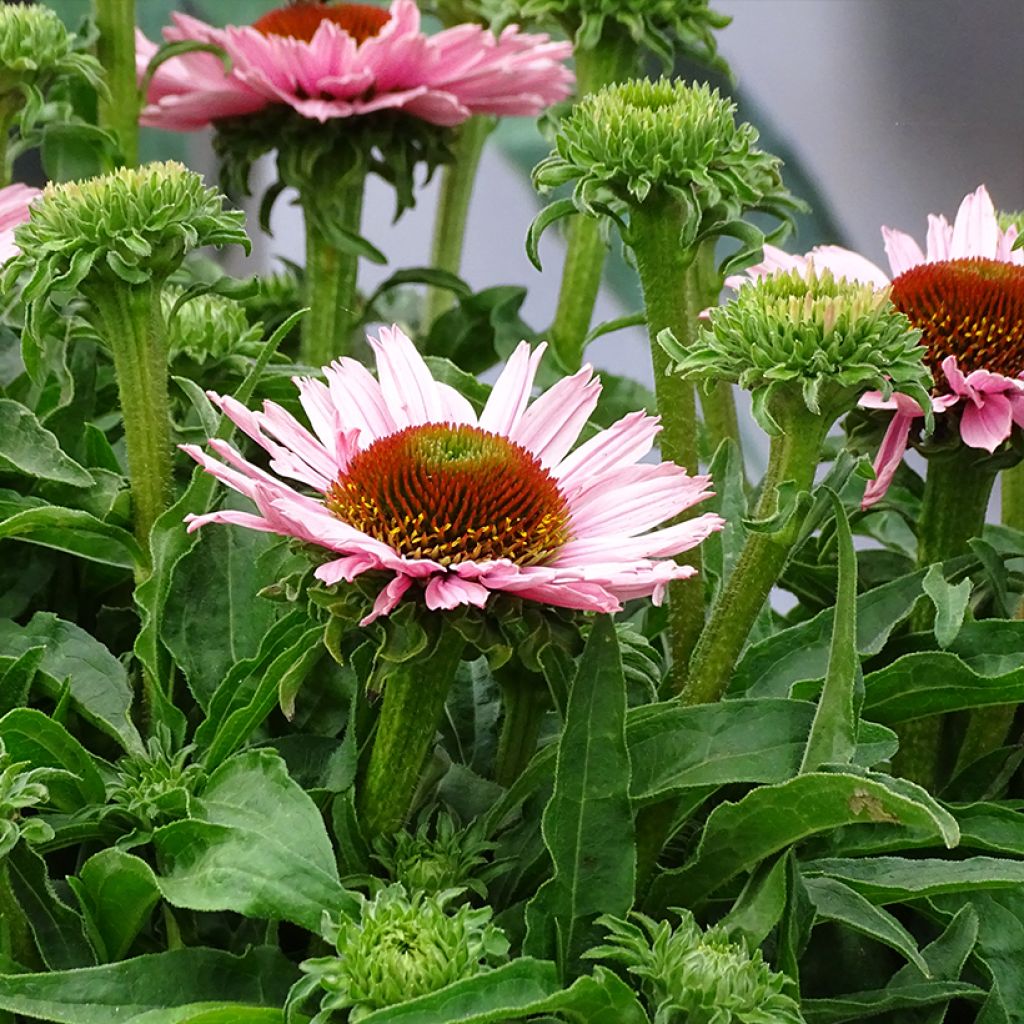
(457, 181)
(119, 111)
(413, 703)
(1012, 484)
(524, 698)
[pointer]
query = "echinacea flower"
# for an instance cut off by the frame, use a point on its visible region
(15, 201)
(405, 479)
(965, 292)
(346, 60)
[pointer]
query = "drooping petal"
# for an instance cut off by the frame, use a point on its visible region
(889, 457)
(987, 421)
(388, 599)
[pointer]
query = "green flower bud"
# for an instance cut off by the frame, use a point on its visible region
(21, 788)
(825, 339)
(694, 977)
(37, 50)
(132, 226)
(643, 143)
(435, 859)
(665, 27)
(209, 326)
(402, 947)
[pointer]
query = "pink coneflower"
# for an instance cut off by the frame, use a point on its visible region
(14, 203)
(408, 481)
(344, 60)
(965, 293)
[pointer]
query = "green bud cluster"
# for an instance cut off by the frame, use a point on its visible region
(209, 327)
(827, 339)
(37, 50)
(128, 227)
(401, 947)
(642, 142)
(665, 27)
(694, 977)
(21, 788)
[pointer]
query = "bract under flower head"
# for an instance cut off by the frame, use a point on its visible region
(36, 50)
(130, 226)
(407, 480)
(665, 27)
(832, 339)
(641, 141)
(402, 947)
(348, 60)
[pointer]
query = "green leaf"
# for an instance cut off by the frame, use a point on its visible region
(897, 879)
(27, 447)
(117, 892)
(833, 737)
(29, 735)
(738, 836)
(16, 675)
(935, 682)
(257, 845)
(57, 929)
(834, 901)
(862, 1005)
(588, 823)
(99, 687)
(163, 988)
(552, 212)
(76, 532)
(950, 602)
(761, 904)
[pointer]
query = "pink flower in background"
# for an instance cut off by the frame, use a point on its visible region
(344, 60)
(402, 477)
(14, 203)
(965, 292)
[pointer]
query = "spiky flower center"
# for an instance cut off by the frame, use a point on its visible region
(301, 20)
(453, 494)
(969, 308)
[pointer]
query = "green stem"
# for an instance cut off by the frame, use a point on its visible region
(130, 320)
(331, 274)
(457, 182)
(414, 697)
(9, 107)
(613, 59)
(1012, 483)
(793, 457)
(663, 266)
(956, 495)
(119, 113)
(525, 700)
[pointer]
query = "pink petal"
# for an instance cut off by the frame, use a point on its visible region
(447, 592)
(940, 237)
(387, 599)
(976, 229)
(986, 423)
(511, 392)
(409, 389)
(890, 455)
(622, 444)
(902, 250)
(848, 265)
(552, 424)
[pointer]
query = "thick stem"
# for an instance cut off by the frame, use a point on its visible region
(130, 320)
(331, 275)
(9, 107)
(793, 456)
(655, 229)
(525, 700)
(613, 59)
(457, 182)
(413, 704)
(115, 22)
(1012, 484)
(956, 495)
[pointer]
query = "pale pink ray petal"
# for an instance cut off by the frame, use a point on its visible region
(359, 400)
(647, 581)
(939, 239)
(460, 409)
(511, 391)
(843, 263)
(902, 250)
(447, 592)
(228, 517)
(775, 261)
(987, 421)
(409, 389)
(975, 229)
(888, 459)
(243, 482)
(551, 425)
(346, 568)
(388, 599)
(672, 540)
(15, 201)
(622, 444)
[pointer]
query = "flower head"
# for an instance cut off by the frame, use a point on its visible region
(832, 339)
(21, 788)
(641, 141)
(328, 61)
(14, 210)
(129, 226)
(208, 327)
(36, 50)
(965, 293)
(662, 26)
(402, 947)
(697, 977)
(408, 481)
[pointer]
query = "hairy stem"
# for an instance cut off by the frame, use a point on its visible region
(413, 704)
(457, 181)
(1012, 483)
(525, 700)
(115, 22)
(331, 273)
(793, 457)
